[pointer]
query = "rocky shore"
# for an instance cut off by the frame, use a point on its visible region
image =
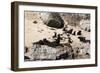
(56, 36)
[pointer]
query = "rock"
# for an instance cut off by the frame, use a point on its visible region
(55, 35)
(58, 39)
(87, 54)
(70, 31)
(25, 57)
(26, 49)
(89, 30)
(55, 24)
(54, 43)
(53, 20)
(79, 32)
(74, 33)
(35, 22)
(83, 39)
(63, 56)
(43, 53)
(64, 29)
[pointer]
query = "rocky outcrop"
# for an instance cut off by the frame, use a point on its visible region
(44, 52)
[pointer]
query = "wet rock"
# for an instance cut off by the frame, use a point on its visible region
(73, 56)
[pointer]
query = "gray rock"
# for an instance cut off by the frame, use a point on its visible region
(53, 20)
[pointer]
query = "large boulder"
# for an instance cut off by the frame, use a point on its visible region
(52, 20)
